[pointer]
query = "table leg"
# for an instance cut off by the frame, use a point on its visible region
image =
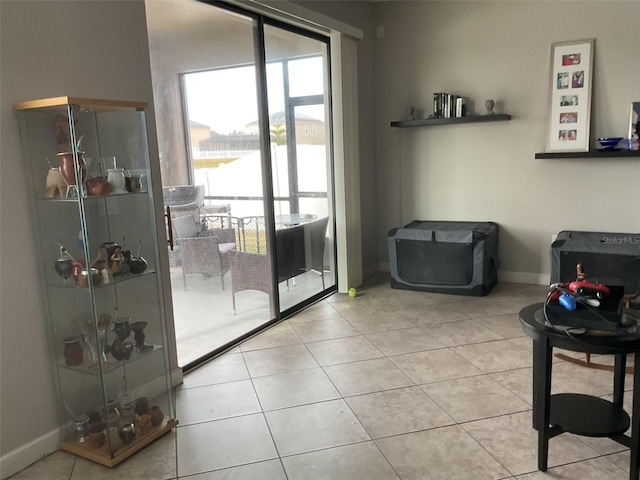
(542, 360)
(634, 467)
(618, 379)
(536, 376)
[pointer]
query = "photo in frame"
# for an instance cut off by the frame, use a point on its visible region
(570, 97)
(634, 126)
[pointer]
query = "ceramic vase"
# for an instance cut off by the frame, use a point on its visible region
(115, 177)
(96, 436)
(139, 336)
(142, 405)
(137, 265)
(68, 169)
(56, 184)
(144, 422)
(127, 432)
(133, 183)
(73, 353)
(157, 415)
(121, 350)
(110, 247)
(64, 265)
(122, 328)
(83, 278)
(126, 403)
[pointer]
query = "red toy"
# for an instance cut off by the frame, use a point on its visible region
(584, 287)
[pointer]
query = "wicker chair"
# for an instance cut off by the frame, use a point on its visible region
(315, 237)
(204, 252)
(249, 271)
(298, 249)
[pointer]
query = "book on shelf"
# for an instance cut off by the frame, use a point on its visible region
(447, 105)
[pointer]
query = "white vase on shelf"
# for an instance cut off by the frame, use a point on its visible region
(115, 176)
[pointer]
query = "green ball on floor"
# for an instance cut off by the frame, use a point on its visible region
(353, 292)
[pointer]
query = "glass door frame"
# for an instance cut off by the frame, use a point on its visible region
(259, 22)
(263, 124)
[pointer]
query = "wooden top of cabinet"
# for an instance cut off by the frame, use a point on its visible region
(93, 103)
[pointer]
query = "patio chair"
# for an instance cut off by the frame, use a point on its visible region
(184, 199)
(298, 249)
(203, 251)
(315, 238)
(249, 271)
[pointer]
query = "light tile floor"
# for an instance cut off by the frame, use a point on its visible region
(392, 384)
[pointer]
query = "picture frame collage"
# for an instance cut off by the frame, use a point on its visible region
(570, 107)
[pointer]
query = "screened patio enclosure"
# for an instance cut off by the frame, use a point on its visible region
(243, 118)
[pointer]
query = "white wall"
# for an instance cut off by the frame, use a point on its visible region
(501, 50)
(88, 49)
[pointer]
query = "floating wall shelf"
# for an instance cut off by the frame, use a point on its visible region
(592, 154)
(428, 122)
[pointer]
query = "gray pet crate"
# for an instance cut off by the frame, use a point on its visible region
(445, 257)
(610, 258)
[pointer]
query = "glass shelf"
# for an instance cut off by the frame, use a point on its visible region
(117, 279)
(111, 365)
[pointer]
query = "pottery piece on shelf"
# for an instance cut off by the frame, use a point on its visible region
(144, 422)
(139, 336)
(133, 183)
(83, 277)
(97, 186)
(137, 264)
(115, 176)
(127, 432)
(157, 415)
(122, 328)
(111, 248)
(142, 405)
(96, 436)
(73, 352)
(56, 184)
(68, 168)
(126, 403)
(64, 265)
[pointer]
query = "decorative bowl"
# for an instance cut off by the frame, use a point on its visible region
(609, 143)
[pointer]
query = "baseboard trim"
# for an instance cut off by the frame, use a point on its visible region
(524, 277)
(176, 377)
(29, 453)
(503, 276)
(370, 271)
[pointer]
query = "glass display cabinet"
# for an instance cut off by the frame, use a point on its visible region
(88, 167)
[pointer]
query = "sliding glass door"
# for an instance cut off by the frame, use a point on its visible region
(250, 193)
(301, 167)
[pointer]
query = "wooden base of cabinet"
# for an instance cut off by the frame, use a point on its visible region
(103, 456)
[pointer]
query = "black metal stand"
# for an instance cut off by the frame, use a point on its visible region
(577, 413)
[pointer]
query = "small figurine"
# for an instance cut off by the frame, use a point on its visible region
(489, 104)
(101, 259)
(116, 259)
(411, 113)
